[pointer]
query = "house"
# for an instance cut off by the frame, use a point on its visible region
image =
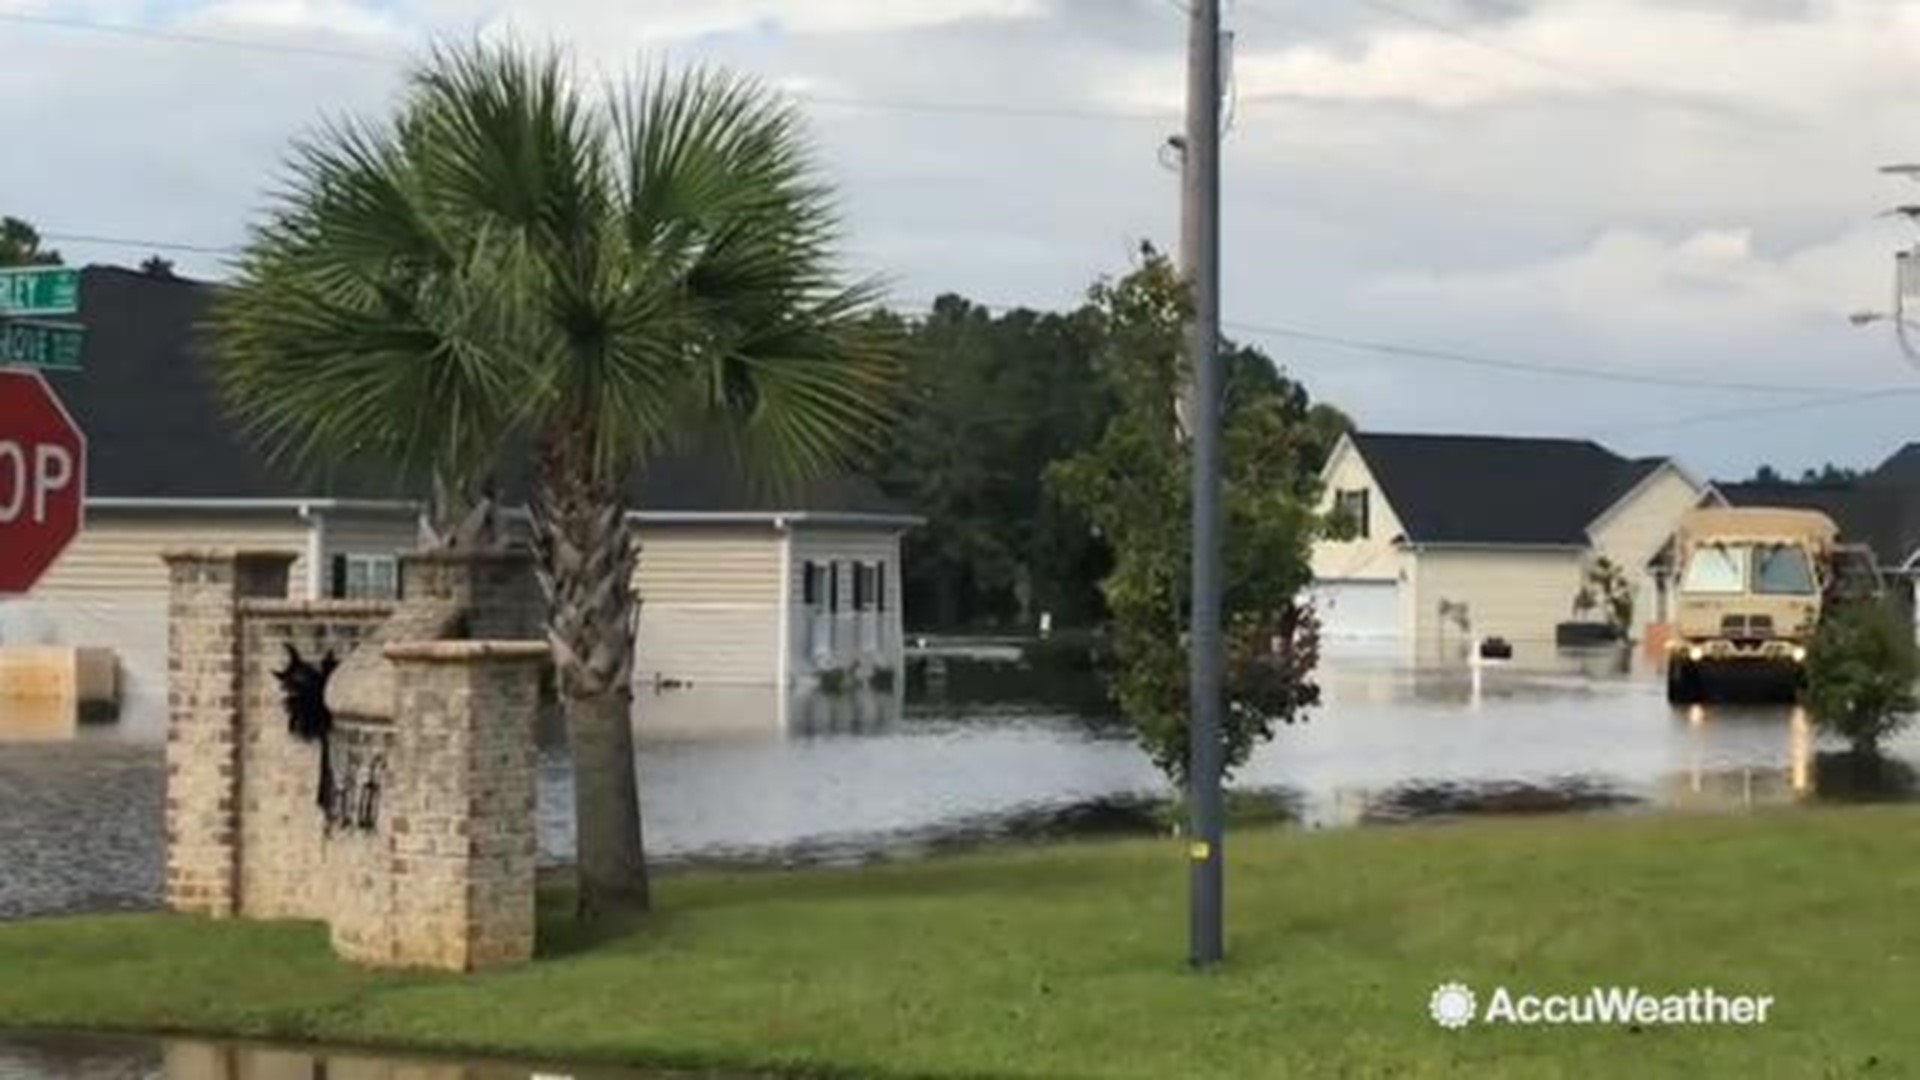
(1880, 510)
(1458, 537)
(736, 586)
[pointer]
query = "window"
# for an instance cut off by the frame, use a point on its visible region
(820, 585)
(365, 577)
(1720, 568)
(1782, 570)
(1350, 509)
(870, 586)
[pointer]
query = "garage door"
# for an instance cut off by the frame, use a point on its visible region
(1358, 609)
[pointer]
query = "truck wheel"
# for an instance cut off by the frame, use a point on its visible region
(1683, 683)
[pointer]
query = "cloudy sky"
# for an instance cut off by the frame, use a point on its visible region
(1677, 190)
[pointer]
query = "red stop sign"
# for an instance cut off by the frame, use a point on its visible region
(43, 479)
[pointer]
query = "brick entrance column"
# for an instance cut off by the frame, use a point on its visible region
(203, 720)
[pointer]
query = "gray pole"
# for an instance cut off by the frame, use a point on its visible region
(1202, 216)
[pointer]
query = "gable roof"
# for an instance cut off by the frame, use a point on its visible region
(1880, 510)
(156, 432)
(1902, 469)
(1498, 490)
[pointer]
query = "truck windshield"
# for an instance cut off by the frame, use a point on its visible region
(1779, 570)
(1716, 568)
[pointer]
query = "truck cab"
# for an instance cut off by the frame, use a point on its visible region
(1748, 593)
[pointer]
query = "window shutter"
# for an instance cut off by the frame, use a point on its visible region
(880, 586)
(337, 584)
(809, 583)
(833, 587)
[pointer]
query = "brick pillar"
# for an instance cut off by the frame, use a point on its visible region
(496, 589)
(203, 720)
(462, 811)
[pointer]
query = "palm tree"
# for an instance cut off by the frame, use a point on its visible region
(514, 268)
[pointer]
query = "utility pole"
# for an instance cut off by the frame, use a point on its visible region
(1201, 253)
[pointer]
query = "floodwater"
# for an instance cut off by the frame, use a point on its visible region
(78, 1057)
(994, 752)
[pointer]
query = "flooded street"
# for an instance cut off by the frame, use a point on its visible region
(46, 1057)
(995, 754)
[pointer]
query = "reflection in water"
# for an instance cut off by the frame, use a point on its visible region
(1800, 729)
(1416, 800)
(91, 1058)
(38, 719)
(1849, 777)
(744, 774)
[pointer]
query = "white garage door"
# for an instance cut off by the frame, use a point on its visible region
(1358, 609)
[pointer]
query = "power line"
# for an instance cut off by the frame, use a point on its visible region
(1536, 60)
(1399, 350)
(827, 101)
(1829, 401)
(208, 40)
(125, 242)
(1449, 356)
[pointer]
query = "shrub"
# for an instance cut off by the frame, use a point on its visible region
(1861, 669)
(836, 681)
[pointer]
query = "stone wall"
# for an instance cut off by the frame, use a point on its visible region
(285, 848)
(428, 856)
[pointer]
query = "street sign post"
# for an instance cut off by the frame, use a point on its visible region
(39, 290)
(48, 345)
(43, 480)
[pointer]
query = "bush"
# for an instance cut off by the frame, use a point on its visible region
(1861, 670)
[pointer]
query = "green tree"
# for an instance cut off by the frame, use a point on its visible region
(510, 267)
(1861, 670)
(1605, 588)
(1135, 485)
(995, 400)
(20, 245)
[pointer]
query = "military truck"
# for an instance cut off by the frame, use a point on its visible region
(1749, 583)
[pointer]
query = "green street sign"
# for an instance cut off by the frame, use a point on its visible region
(53, 346)
(39, 290)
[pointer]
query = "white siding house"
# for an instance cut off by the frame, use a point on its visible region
(768, 598)
(722, 578)
(1448, 539)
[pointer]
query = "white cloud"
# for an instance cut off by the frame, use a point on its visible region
(1711, 281)
(660, 21)
(341, 18)
(1687, 57)
(1676, 187)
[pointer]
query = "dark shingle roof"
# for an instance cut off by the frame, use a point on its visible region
(1885, 518)
(1481, 489)
(1880, 510)
(142, 396)
(155, 429)
(1900, 470)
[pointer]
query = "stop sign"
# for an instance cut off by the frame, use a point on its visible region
(43, 479)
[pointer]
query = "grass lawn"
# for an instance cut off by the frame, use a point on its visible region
(1068, 960)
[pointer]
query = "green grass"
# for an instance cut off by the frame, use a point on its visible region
(1069, 960)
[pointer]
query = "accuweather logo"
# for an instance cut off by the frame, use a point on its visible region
(1454, 1005)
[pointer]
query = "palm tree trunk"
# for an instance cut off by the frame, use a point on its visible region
(584, 554)
(461, 516)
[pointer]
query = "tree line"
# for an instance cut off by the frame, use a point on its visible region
(995, 400)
